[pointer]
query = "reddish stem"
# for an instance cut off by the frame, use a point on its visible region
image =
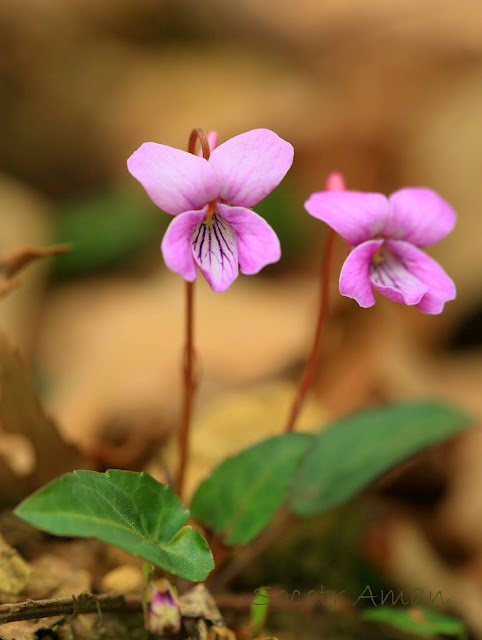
(188, 369)
(189, 387)
(310, 366)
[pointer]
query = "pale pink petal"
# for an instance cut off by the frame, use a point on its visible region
(420, 216)
(176, 244)
(214, 248)
(356, 216)
(392, 278)
(176, 181)
(258, 244)
(440, 288)
(355, 273)
(250, 166)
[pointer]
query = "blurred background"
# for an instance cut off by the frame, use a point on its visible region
(389, 93)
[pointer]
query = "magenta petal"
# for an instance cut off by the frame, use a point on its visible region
(258, 244)
(420, 216)
(176, 181)
(250, 166)
(440, 288)
(356, 216)
(355, 273)
(176, 244)
(393, 278)
(214, 248)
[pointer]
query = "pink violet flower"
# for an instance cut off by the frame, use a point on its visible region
(214, 226)
(386, 235)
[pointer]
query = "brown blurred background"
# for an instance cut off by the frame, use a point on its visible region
(389, 93)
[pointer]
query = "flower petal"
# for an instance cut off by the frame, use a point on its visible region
(355, 273)
(250, 166)
(258, 244)
(214, 249)
(176, 181)
(392, 278)
(176, 244)
(440, 288)
(420, 216)
(356, 216)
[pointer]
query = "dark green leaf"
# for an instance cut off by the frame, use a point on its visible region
(354, 451)
(130, 510)
(243, 493)
(105, 230)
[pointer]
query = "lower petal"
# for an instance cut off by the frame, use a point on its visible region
(214, 247)
(440, 288)
(258, 244)
(355, 273)
(392, 278)
(176, 244)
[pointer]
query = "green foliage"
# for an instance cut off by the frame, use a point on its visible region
(244, 492)
(130, 510)
(420, 621)
(353, 452)
(259, 611)
(316, 473)
(293, 230)
(104, 230)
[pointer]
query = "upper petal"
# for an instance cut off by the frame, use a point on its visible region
(356, 216)
(440, 288)
(176, 244)
(250, 166)
(392, 278)
(214, 248)
(355, 273)
(420, 216)
(175, 180)
(258, 244)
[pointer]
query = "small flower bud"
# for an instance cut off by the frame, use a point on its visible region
(335, 182)
(162, 612)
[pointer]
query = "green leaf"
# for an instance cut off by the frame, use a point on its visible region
(259, 611)
(244, 492)
(354, 451)
(130, 510)
(420, 621)
(106, 229)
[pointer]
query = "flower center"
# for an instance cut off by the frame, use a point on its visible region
(379, 256)
(208, 218)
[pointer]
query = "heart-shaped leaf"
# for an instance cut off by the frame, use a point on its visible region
(243, 493)
(130, 510)
(356, 450)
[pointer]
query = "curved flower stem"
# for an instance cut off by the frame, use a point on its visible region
(188, 369)
(198, 134)
(310, 366)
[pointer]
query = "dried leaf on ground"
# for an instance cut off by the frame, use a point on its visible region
(113, 349)
(21, 414)
(231, 423)
(14, 572)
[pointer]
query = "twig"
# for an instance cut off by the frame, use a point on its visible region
(194, 604)
(84, 603)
